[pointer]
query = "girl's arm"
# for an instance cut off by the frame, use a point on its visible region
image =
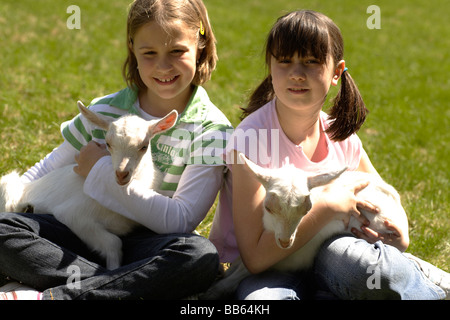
(196, 193)
(257, 247)
(365, 165)
(59, 157)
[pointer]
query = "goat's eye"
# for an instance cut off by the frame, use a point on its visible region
(108, 145)
(144, 148)
(268, 209)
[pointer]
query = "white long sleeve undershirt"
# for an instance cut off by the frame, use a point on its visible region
(196, 192)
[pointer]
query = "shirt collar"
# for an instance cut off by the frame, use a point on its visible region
(194, 110)
(126, 99)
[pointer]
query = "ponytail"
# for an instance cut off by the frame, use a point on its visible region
(263, 94)
(348, 112)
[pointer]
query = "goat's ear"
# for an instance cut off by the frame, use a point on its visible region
(93, 117)
(165, 123)
(260, 173)
(324, 178)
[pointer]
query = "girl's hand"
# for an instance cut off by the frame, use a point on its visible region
(88, 157)
(343, 202)
(396, 238)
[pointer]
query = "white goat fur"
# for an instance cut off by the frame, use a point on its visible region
(290, 193)
(60, 192)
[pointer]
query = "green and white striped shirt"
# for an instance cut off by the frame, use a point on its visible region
(199, 136)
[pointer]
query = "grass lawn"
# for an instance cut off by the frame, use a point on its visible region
(401, 69)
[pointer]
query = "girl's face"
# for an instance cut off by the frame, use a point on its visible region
(303, 82)
(166, 63)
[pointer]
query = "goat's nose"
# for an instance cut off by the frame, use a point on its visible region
(121, 176)
(284, 244)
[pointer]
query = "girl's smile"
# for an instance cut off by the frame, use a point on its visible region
(299, 91)
(164, 82)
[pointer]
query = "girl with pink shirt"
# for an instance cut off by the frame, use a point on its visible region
(284, 124)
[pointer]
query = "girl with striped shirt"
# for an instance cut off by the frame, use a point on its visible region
(171, 53)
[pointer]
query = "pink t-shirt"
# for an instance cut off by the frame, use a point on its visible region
(261, 138)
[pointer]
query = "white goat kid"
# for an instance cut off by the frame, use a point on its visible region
(60, 192)
(290, 193)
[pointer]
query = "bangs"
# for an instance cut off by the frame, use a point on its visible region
(302, 33)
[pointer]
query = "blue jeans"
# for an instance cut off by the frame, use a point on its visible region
(41, 252)
(346, 268)
(276, 285)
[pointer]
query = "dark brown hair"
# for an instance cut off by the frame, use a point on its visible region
(310, 33)
(192, 12)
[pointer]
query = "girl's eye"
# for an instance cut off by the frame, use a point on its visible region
(178, 52)
(312, 61)
(149, 53)
(284, 61)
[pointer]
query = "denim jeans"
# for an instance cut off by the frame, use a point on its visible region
(276, 285)
(43, 253)
(346, 268)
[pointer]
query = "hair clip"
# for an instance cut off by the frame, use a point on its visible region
(345, 69)
(202, 30)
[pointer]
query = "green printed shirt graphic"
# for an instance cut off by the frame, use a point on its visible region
(199, 136)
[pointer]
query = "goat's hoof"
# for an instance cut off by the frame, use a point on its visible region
(28, 209)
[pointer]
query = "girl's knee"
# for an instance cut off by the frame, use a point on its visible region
(201, 247)
(355, 269)
(203, 253)
(342, 251)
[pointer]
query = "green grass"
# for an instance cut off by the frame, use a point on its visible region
(401, 69)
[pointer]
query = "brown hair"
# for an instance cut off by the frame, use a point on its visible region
(164, 12)
(310, 33)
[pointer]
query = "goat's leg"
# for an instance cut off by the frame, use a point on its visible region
(101, 240)
(94, 235)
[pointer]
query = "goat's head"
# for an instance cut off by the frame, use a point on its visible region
(287, 198)
(128, 139)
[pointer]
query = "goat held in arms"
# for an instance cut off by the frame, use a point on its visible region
(60, 192)
(290, 193)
